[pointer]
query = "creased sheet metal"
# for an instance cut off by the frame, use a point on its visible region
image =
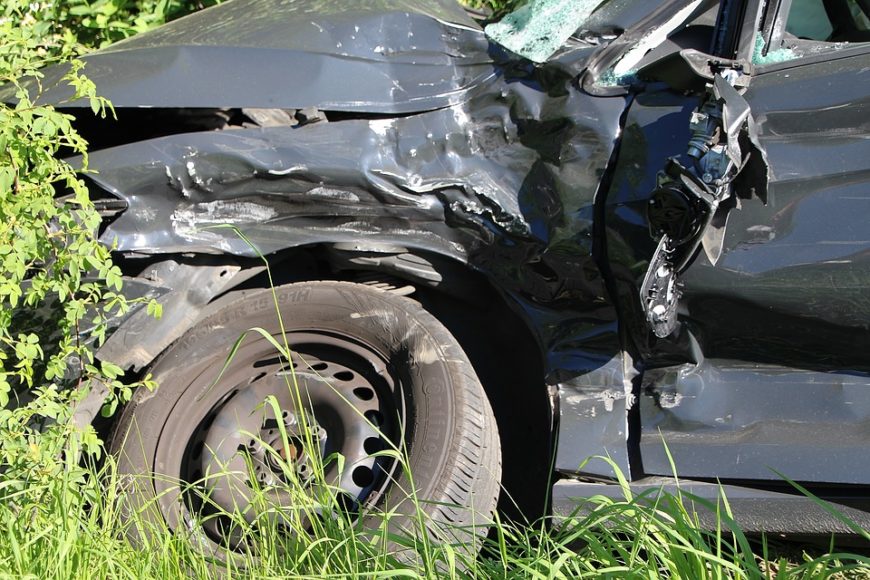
(394, 56)
(506, 183)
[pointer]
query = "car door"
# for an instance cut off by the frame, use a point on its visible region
(765, 368)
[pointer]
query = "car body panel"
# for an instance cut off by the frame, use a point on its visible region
(784, 318)
(505, 183)
(381, 57)
(767, 373)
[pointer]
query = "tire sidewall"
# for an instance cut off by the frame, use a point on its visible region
(429, 369)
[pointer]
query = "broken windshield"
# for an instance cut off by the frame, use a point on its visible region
(538, 28)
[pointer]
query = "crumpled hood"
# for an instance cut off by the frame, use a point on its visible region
(380, 56)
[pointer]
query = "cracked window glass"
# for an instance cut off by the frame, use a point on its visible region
(816, 26)
(538, 28)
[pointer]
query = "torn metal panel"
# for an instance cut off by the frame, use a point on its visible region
(787, 297)
(187, 290)
(793, 273)
(693, 199)
(593, 411)
(505, 183)
(798, 267)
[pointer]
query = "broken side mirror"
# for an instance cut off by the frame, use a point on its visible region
(695, 193)
(688, 70)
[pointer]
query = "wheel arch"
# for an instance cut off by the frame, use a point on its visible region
(501, 345)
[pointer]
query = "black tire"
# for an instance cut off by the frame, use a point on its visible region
(408, 370)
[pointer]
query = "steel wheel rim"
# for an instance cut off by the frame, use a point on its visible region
(352, 406)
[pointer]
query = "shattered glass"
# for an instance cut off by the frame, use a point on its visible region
(772, 56)
(539, 28)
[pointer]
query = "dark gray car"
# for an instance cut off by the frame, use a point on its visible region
(657, 238)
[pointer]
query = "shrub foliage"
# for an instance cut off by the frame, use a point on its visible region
(57, 283)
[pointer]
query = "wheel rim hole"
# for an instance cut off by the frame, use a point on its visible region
(320, 366)
(267, 362)
(344, 376)
(364, 393)
(372, 445)
(363, 476)
(374, 417)
(208, 421)
(347, 503)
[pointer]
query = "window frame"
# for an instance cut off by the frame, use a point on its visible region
(773, 30)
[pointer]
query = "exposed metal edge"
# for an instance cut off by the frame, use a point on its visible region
(142, 337)
(755, 511)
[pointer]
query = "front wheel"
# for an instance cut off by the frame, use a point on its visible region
(370, 371)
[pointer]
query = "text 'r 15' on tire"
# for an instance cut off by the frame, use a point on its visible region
(371, 371)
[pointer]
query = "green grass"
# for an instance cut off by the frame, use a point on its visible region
(72, 528)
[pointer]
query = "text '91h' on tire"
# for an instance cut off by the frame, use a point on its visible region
(369, 371)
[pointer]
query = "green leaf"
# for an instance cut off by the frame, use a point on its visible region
(110, 370)
(154, 309)
(109, 407)
(5, 388)
(7, 179)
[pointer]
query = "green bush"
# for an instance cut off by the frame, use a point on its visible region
(88, 24)
(494, 6)
(57, 283)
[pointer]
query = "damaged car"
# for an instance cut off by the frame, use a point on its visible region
(525, 256)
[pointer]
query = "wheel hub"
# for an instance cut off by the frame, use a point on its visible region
(275, 451)
(289, 423)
